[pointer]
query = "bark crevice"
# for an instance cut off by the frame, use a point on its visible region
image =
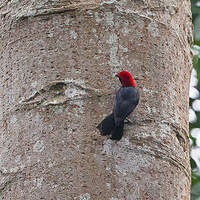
(157, 149)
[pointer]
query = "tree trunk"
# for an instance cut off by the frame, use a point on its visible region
(58, 61)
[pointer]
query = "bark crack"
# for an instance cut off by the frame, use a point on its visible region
(60, 7)
(159, 150)
(59, 93)
(180, 133)
(10, 179)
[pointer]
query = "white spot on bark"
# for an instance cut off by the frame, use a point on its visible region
(99, 159)
(122, 2)
(18, 159)
(99, 51)
(51, 164)
(85, 196)
(74, 92)
(125, 30)
(38, 146)
(146, 90)
(75, 81)
(55, 186)
(28, 159)
(141, 23)
(50, 35)
(149, 13)
(108, 168)
(89, 12)
(14, 170)
(148, 109)
(34, 84)
(56, 100)
(135, 193)
(154, 110)
(113, 38)
(67, 21)
(109, 18)
(121, 170)
(91, 41)
(107, 147)
(3, 170)
(26, 183)
(97, 18)
(38, 182)
(124, 49)
(153, 29)
(125, 141)
(165, 127)
(73, 34)
(22, 166)
(113, 198)
(108, 2)
(13, 119)
(114, 60)
(58, 110)
(14, 1)
(108, 185)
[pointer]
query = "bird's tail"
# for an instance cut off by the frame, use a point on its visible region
(107, 125)
(117, 132)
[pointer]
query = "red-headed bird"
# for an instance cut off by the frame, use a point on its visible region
(126, 100)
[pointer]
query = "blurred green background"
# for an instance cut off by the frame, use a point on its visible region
(194, 113)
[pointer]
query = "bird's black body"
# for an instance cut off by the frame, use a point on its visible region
(126, 100)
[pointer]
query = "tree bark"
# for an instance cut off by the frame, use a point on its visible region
(58, 61)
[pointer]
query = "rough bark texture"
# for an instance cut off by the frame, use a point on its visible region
(58, 60)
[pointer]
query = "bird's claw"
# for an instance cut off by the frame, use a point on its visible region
(128, 121)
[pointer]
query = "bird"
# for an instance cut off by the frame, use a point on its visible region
(126, 100)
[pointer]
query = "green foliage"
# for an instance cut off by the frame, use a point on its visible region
(196, 65)
(196, 60)
(195, 179)
(195, 4)
(195, 189)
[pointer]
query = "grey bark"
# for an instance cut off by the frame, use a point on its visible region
(58, 60)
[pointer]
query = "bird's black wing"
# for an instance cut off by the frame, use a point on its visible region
(126, 100)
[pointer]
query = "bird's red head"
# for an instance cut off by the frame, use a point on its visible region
(126, 79)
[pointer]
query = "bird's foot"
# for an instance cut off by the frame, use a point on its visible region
(128, 121)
